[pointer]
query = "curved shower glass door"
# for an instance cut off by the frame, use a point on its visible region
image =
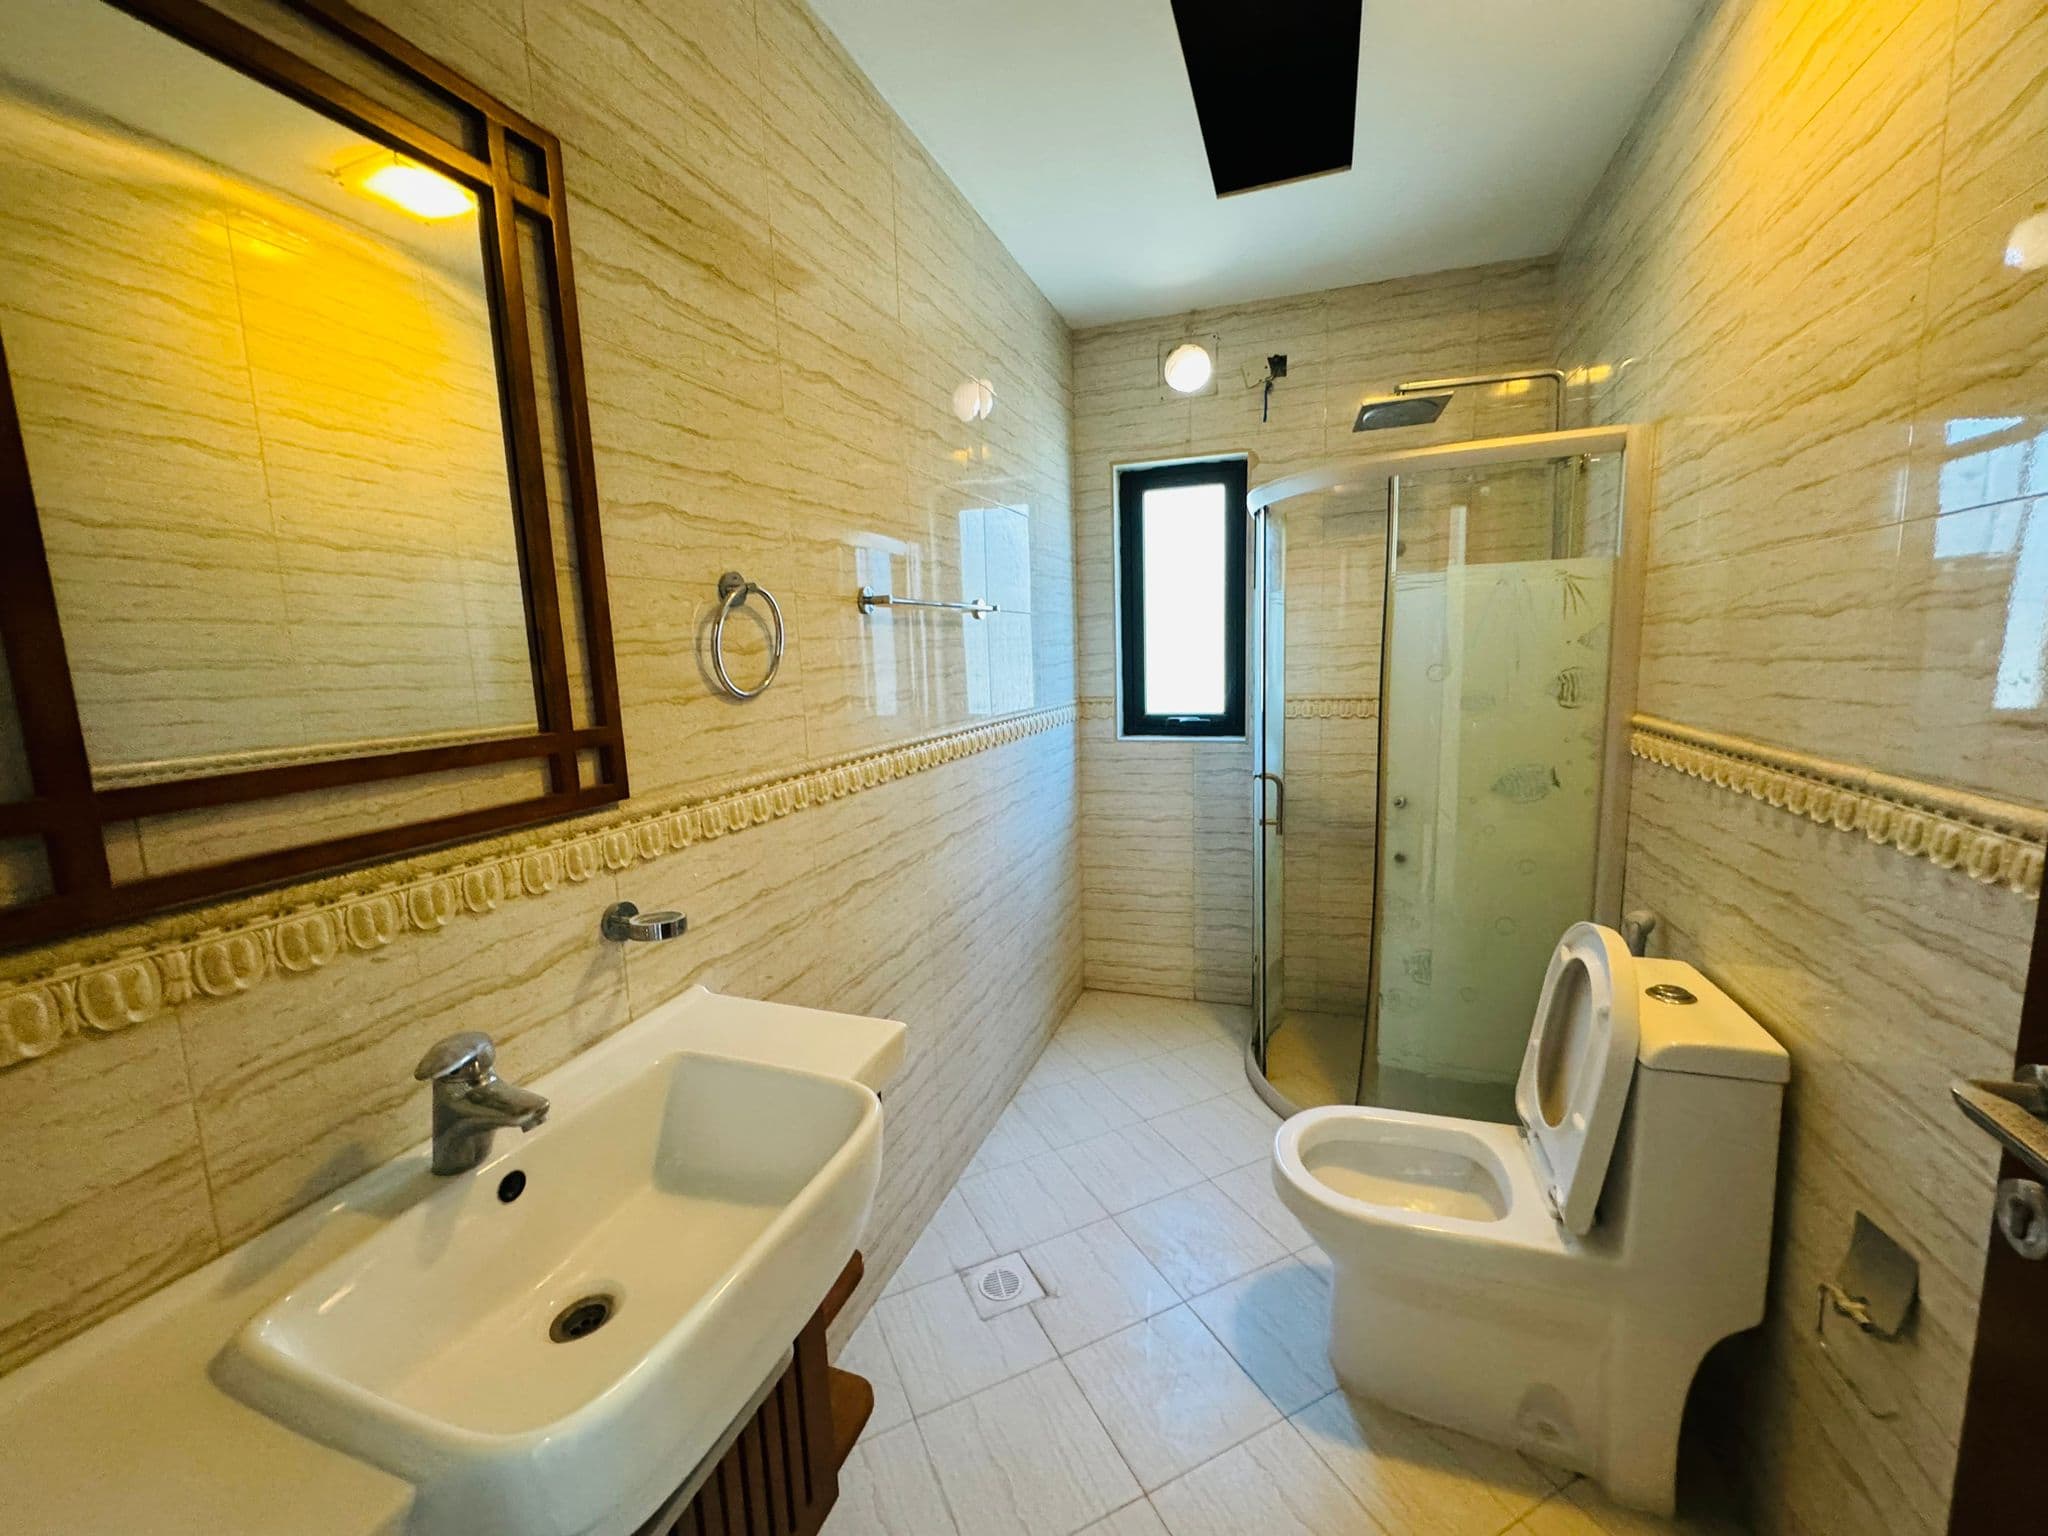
(1448, 710)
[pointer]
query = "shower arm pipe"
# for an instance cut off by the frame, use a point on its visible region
(1465, 454)
(1467, 381)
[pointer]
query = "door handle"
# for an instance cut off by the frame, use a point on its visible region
(2014, 1111)
(1278, 820)
(2023, 1217)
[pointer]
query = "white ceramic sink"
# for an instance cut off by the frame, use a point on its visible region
(713, 1200)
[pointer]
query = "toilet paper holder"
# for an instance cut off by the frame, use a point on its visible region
(1873, 1289)
(1875, 1285)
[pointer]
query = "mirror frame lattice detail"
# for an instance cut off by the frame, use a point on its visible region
(514, 169)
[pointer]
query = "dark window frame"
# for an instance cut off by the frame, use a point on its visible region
(1133, 720)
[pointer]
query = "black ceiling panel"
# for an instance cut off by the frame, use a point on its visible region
(1276, 86)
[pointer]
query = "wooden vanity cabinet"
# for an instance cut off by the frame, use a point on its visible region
(780, 1477)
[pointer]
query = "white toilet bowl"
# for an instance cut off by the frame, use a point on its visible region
(1552, 1285)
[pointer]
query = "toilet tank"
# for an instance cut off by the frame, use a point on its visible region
(1698, 1162)
(1687, 1024)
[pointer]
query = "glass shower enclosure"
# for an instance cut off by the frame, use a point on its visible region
(1443, 669)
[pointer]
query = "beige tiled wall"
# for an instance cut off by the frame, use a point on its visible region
(1796, 266)
(779, 292)
(1166, 834)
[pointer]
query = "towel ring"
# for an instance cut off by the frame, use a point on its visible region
(734, 589)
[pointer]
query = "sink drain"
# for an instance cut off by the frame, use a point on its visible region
(580, 1319)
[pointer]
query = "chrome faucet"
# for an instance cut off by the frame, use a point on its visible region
(471, 1101)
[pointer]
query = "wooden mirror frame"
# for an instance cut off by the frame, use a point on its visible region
(64, 809)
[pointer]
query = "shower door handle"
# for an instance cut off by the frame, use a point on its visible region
(1278, 820)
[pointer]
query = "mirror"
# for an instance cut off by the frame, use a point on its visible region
(305, 521)
(252, 359)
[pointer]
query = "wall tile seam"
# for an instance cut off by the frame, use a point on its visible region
(103, 993)
(1992, 841)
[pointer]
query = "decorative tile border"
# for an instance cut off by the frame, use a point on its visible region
(1332, 707)
(103, 983)
(1994, 842)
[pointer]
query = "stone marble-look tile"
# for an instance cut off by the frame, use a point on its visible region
(1169, 1395)
(1055, 1065)
(1158, 1085)
(1221, 1063)
(1218, 1135)
(1074, 1111)
(1581, 1509)
(887, 1488)
(1104, 1044)
(1276, 1324)
(1029, 1202)
(1010, 1140)
(1096, 1282)
(945, 1351)
(102, 1190)
(950, 1241)
(1129, 1167)
(292, 1106)
(1199, 1239)
(867, 1354)
(1250, 1188)
(1028, 1457)
(1138, 1519)
(1272, 1482)
(1412, 1476)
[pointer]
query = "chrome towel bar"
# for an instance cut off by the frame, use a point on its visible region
(870, 600)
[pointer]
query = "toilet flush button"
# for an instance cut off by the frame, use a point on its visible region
(1666, 992)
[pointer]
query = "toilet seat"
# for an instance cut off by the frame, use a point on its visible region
(1416, 1179)
(1577, 1067)
(1409, 1161)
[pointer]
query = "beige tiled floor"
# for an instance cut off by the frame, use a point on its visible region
(1172, 1380)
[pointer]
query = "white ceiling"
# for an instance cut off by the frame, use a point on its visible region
(1482, 127)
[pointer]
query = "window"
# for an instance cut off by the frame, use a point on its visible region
(1181, 531)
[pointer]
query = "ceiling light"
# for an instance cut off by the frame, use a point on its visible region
(420, 192)
(1188, 367)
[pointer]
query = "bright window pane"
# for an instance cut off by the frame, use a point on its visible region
(1181, 528)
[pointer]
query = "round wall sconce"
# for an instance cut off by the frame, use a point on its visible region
(1188, 368)
(974, 400)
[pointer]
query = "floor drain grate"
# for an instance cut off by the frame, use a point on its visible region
(998, 1285)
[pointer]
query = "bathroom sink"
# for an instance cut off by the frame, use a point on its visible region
(549, 1344)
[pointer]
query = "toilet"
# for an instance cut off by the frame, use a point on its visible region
(1553, 1285)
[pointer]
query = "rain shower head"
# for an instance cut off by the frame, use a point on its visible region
(1400, 411)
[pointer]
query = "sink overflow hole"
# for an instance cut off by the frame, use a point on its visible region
(512, 1186)
(1001, 1284)
(580, 1319)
